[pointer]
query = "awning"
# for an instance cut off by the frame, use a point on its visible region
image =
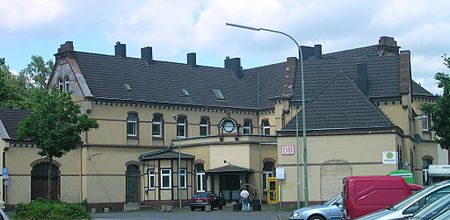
(229, 169)
(166, 153)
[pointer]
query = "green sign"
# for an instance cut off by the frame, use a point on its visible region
(406, 174)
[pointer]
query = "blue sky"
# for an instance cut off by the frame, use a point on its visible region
(176, 27)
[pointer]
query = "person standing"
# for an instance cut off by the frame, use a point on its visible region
(244, 197)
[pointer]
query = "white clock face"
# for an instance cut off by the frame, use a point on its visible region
(228, 126)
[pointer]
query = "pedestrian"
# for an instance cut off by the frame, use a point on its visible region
(244, 197)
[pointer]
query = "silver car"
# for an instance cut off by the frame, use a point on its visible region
(330, 210)
(412, 203)
(431, 210)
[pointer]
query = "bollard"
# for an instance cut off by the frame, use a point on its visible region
(208, 208)
(169, 208)
(164, 208)
(93, 210)
(106, 209)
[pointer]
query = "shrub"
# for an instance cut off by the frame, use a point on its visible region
(42, 209)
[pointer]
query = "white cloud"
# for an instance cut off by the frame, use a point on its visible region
(20, 15)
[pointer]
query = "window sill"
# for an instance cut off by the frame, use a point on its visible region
(157, 138)
(132, 137)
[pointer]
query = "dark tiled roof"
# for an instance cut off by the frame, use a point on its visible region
(350, 108)
(11, 119)
(229, 169)
(166, 153)
(419, 90)
(163, 82)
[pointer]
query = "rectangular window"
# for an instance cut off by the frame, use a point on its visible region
(166, 178)
(132, 125)
(201, 182)
(157, 127)
(425, 123)
(247, 128)
(181, 129)
(204, 127)
(183, 175)
(151, 179)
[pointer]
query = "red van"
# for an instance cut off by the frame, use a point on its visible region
(365, 194)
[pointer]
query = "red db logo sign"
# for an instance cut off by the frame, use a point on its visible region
(287, 150)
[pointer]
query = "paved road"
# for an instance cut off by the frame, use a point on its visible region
(188, 215)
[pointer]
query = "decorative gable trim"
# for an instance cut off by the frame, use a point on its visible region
(79, 77)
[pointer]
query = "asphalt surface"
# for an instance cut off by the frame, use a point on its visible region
(192, 215)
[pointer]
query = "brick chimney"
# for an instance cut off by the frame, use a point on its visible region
(192, 59)
(66, 47)
(147, 54)
(120, 49)
(235, 65)
(388, 46)
(289, 76)
(405, 72)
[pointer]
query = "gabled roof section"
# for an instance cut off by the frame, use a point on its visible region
(418, 90)
(340, 105)
(166, 153)
(9, 122)
(382, 72)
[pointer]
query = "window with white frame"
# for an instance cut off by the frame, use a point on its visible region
(425, 122)
(268, 171)
(265, 127)
(183, 179)
(181, 126)
(200, 177)
(157, 125)
(204, 126)
(60, 85)
(247, 127)
(66, 84)
(151, 178)
(166, 178)
(132, 125)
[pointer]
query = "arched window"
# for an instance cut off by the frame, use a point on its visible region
(268, 171)
(247, 127)
(200, 177)
(60, 85)
(426, 162)
(265, 127)
(204, 126)
(66, 84)
(181, 126)
(39, 180)
(157, 125)
(132, 121)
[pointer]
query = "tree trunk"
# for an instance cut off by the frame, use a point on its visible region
(49, 179)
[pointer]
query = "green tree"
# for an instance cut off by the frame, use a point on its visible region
(55, 125)
(12, 95)
(38, 72)
(440, 111)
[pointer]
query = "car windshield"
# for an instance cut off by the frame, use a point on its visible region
(434, 208)
(334, 199)
(201, 195)
(404, 203)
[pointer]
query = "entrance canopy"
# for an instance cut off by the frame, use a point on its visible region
(229, 169)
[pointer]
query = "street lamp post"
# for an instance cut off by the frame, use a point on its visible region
(305, 148)
(175, 117)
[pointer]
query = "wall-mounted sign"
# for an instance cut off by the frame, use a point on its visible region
(280, 173)
(287, 150)
(389, 157)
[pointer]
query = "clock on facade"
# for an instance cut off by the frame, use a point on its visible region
(228, 126)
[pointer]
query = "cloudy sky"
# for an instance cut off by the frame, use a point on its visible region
(176, 27)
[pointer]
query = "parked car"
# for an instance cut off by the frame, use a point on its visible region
(413, 203)
(330, 210)
(201, 199)
(431, 210)
(443, 216)
(3, 215)
(362, 195)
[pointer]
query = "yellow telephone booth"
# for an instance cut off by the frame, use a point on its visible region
(272, 190)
